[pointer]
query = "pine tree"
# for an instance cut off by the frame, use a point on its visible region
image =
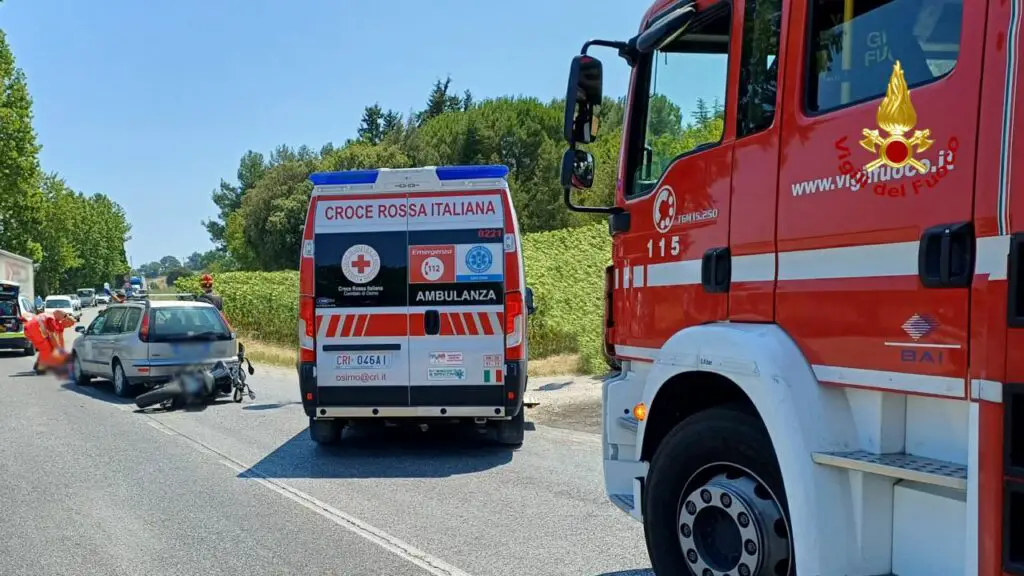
(370, 128)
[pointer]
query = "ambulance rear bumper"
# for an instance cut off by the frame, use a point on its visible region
(419, 401)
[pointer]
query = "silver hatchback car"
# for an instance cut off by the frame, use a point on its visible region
(143, 343)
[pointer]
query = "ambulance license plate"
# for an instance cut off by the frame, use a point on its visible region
(364, 361)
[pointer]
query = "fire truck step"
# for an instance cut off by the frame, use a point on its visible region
(899, 465)
(623, 501)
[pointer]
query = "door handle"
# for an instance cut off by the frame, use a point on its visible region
(716, 270)
(431, 322)
(946, 256)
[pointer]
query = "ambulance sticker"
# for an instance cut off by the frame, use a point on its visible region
(446, 358)
(360, 264)
(431, 264)
(479, 263)
(446, 373)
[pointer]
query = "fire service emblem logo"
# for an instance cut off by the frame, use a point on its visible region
(896, 115)
(360, 264)
(664, 209)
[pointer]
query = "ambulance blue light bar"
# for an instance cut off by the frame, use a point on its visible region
(443, 173)
(346, 177)
(471, 172)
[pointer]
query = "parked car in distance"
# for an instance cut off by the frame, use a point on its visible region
(102, 299)
(63, 303)
(144, 343)
(87, 296)
(75, 302)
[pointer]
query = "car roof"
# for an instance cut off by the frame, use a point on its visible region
(166, 304)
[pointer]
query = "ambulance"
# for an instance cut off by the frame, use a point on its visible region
(412, 301)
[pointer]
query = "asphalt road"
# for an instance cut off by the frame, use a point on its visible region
(90, 486)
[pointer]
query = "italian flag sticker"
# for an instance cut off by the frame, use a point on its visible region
(492, 375)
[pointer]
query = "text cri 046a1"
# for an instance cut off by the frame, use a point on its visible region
(411, 209)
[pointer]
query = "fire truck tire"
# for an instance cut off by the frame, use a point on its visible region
(325, 432)
(715, 503)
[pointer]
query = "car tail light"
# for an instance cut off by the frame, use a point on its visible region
(226, 323)
(514, 325)
(144, 328)
(307, 329)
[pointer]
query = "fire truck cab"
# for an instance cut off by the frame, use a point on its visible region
(815, 293)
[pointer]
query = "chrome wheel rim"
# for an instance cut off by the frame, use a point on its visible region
(730, 523)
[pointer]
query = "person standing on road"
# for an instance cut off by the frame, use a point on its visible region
(46, 332)
(206, 282)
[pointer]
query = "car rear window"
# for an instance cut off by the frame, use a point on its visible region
(187, 323)
(86, 293)
(58, 303)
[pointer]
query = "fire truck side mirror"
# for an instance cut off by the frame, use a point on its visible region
(577, 169)
(583, 100)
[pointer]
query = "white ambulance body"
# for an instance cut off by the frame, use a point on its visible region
(412, 300)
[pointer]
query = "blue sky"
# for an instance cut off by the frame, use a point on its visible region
(153, 101)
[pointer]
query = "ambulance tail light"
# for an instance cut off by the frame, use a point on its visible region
(515, 325)
(144, 328)
(307, 329)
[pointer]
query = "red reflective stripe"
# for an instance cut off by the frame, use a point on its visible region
(467, 318)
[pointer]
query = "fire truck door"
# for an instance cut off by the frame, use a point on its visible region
(677, 190)
(876, 191)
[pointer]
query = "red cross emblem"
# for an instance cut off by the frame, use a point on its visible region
(361, 264)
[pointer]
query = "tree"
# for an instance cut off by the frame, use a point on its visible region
(169, 262)
(20, 175)
(228, 197)
(440, 101)
(371, 129)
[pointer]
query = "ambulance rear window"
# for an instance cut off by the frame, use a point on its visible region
(853, 54)
(361, 269)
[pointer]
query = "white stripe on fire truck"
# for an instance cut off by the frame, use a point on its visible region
(864, 261)
(847, 376)
(1009, 100)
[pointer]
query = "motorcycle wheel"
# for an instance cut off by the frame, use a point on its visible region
(237, 395)
(162, 394)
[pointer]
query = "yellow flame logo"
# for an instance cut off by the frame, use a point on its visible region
(896, 116)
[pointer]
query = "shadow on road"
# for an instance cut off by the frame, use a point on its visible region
(637, 572)
(98, 390)
(384, 453)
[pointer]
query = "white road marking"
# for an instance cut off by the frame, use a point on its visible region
(392, 544)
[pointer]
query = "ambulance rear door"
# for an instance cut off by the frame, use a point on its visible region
(360, 291)
(456, 297)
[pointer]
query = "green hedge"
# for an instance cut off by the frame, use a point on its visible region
(565, 269)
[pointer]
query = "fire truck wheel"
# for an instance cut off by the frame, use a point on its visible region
(325, 432)
(715, 502)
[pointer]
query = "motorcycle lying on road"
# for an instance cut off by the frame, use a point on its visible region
(199, 384)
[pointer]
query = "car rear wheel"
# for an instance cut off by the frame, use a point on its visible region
(122, 387)
(77, 374)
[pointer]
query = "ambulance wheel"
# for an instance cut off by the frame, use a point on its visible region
(512, 432)
(325, 432)
(715, 503)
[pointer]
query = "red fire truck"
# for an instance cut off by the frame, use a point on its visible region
(816, 295)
